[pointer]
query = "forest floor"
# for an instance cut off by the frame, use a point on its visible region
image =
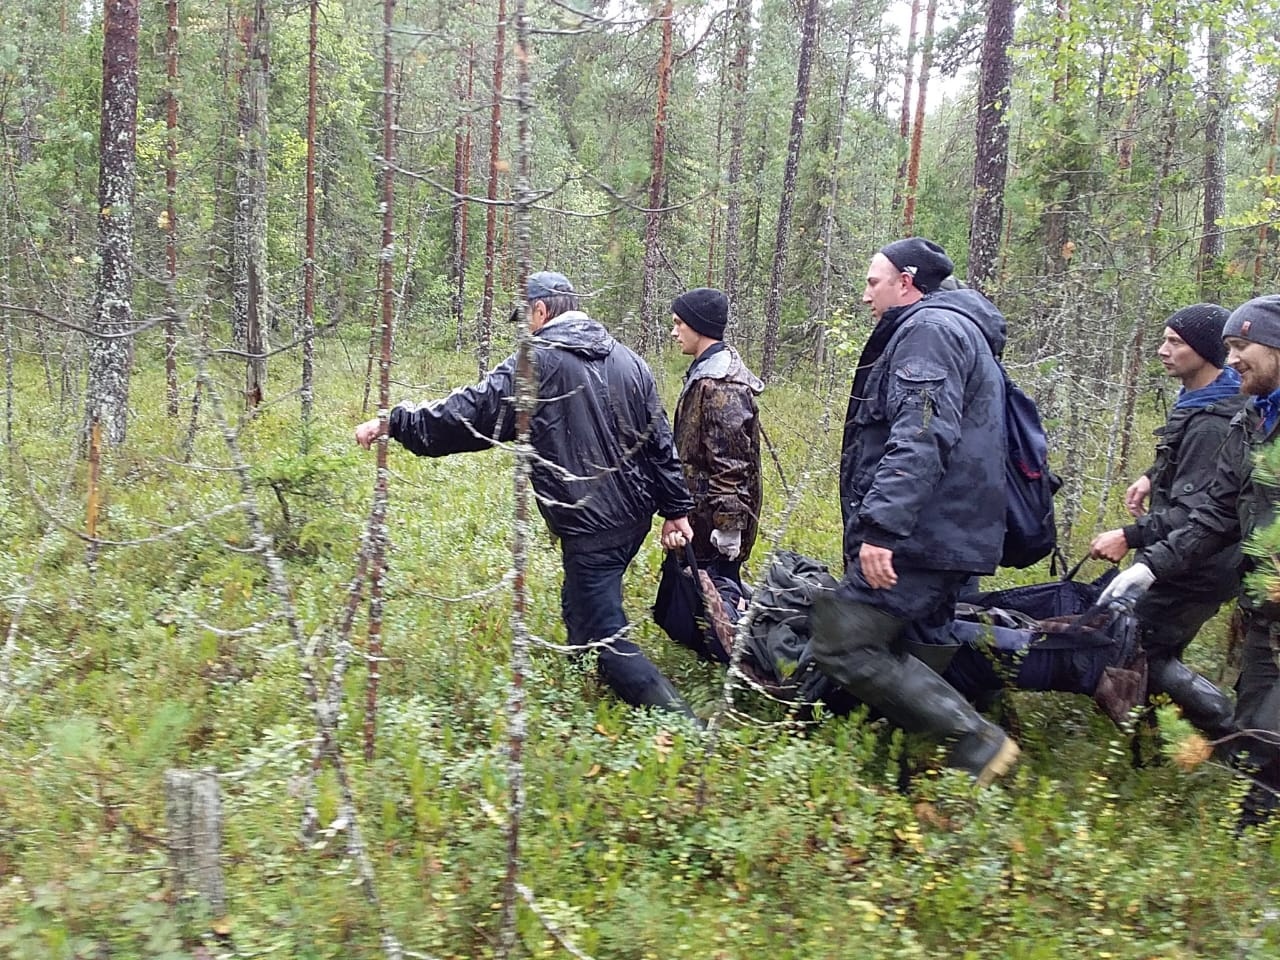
(642, 837)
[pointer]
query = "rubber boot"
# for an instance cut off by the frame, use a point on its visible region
(663, 695)
(854, 645)
(1205, 706)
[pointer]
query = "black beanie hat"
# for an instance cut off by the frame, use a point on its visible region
(927, 262)
(705, 309)
(1200, 325)
(1257, 320)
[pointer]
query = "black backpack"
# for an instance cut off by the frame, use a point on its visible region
(1031, 530)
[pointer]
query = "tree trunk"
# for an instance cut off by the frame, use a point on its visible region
(1213, 244)
(386, 293)
(193, 816)
(737, 134)
(461, 184)
(309, 255)
(773, 304)
(111, 352)
(171, 212)
(484, 332)
(653, 218)
(249, 242)
(904, 117)
(1264, 230)
(917, 129)
(991, 159)
(829, 221)
(526, 388)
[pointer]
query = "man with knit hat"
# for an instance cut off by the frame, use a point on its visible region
(1238, 502)
(922, 494)
(717, 431)
(1174, 610)
(606, 464)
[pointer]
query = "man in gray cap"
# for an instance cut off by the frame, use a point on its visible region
(922, 493)
(1174, 610)
(606, 463)
(1239, 502)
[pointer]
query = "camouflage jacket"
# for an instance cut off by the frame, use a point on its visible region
(717, 431)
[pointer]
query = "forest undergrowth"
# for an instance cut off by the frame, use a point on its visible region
(164, 647)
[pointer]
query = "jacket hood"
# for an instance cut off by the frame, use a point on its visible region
(984, 313)
(576, 332)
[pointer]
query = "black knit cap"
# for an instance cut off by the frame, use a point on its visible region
(926, 262)
(705, 309)
(1200, 325)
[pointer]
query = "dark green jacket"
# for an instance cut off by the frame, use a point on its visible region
(1237, 502)
(1187, 448)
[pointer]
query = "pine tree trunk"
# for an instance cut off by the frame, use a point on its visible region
(309, 255)
(991, 159)
(111, 353)
(484, 331)
(829, 221)
(249, 242)
(1269, 192)
(653, 218)
(917, 129)
(1213, 244)
(461, 184)
(904, 117)
(773, 303)
(737, 134)
(171, 212)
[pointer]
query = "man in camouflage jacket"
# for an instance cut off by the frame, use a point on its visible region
(717, 431)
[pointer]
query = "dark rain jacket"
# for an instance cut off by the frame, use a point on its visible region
(1186, 462)
(1237, 502)
(717, 430)
(606, 461)
(923, 459)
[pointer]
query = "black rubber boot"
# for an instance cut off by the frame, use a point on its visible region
(1205, 706)
(854, 644)
(663, 695)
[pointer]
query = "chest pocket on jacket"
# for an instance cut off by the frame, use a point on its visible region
(917, 383)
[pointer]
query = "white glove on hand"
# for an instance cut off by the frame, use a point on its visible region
(1128, 587)
(728, 542)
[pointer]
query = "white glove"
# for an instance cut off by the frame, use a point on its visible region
(728, 542)
(1128, 587)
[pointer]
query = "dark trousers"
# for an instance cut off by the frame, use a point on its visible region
(1258, 689)
(1170, 619)
(591, 604)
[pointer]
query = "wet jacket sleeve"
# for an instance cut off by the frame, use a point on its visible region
(925, 404)
(1197, 467)
(471, 418)
(1211, 526)
(669, 491)
(725, 412)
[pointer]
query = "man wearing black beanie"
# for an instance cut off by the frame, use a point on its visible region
(1172, 613)
(717, 431)
(922, 493)
(1240, 501)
